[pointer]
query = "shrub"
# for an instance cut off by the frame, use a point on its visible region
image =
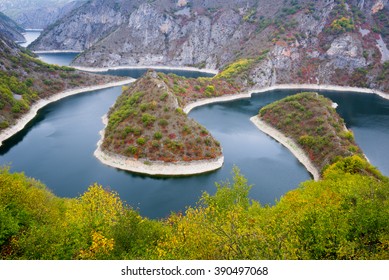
(163, 122)
(148, 119)
(141, 141)
(158, 135)
(209, 90)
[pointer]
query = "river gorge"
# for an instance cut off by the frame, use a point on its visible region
(57, 147)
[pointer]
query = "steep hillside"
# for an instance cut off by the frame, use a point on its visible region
(85, 26)
(326, 41)
(38, 14)
(10, 29)
(147, 123)
(24, 80)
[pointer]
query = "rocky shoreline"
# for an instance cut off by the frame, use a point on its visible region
(289, 144)
(180, 168)
(57, 51)
(156, 67)
(23, 121)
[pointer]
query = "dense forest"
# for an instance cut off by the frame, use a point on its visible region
(343, 216)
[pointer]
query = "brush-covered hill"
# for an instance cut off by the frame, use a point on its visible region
(311, 121)
(24, 80)
(147, 123)
(342, 42)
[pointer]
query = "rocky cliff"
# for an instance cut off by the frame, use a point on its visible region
(324, 41)
(10, 29)
(38, 14)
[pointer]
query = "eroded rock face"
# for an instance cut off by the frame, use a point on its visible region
(78, 31)
(346, 51)
(213, 34)
(10, 30)
(152, 37)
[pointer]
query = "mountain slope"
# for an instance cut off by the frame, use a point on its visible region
(325, 41)
(10, 29)
(37, 14)
(25, 80)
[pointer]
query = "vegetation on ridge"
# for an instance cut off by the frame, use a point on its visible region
(25, 79)
(310, 120)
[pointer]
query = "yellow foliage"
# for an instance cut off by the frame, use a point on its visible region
(235, 68)
(101, 246)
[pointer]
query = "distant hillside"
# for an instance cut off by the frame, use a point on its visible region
(10, 29)
(326, 41)
(37, 14)
(25, 80)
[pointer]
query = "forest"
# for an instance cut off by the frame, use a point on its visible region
(343, 216)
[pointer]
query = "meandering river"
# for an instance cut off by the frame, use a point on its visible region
(57, 148)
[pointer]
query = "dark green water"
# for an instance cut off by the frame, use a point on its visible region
(57, 148)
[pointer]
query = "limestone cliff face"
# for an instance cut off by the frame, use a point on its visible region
(42, 17)
(152, 37)
(83, 27)
(37, 14)
(324, 41)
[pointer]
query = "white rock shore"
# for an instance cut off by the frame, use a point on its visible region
(154, 167)
(302, 87)
(57, 51)
(289, 143)
(23, 121)
(156, 67)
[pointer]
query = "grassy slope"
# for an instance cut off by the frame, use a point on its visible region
(310, 120)
(146, 123)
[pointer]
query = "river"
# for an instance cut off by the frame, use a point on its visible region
(57, 148)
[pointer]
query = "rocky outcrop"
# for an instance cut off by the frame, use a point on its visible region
(154, 38)
(346, 51)
(84, 27)
(42, 17)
